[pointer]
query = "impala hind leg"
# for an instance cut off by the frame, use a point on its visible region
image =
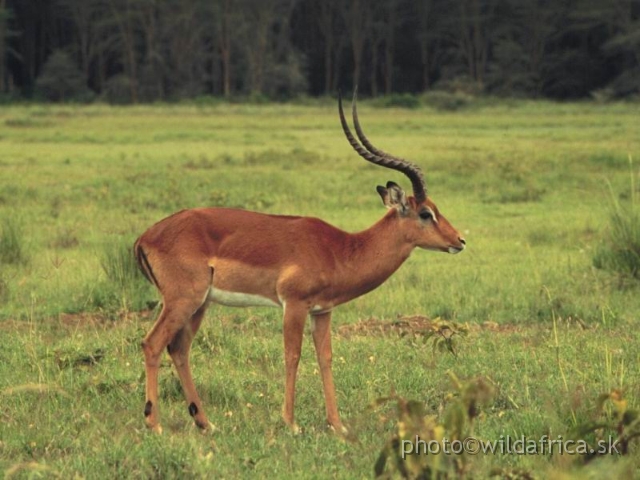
(173, 318)
(179, 351)
(321, 331)
(294, 318)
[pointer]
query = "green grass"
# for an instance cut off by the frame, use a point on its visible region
(527, 183)
(12, 242)
(620, 252)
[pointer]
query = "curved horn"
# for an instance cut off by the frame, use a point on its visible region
(356, 123)
(379, 157)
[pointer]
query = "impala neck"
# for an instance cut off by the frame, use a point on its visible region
(373, 255)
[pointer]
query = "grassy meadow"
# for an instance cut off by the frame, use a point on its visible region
(532, 186)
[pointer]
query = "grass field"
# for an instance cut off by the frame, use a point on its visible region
(530, 185)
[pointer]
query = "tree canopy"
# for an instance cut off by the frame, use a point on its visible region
(147, 50)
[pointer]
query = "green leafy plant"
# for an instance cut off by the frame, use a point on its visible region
(442, 335)
(414, 424)
(608, 430)
(612, 419)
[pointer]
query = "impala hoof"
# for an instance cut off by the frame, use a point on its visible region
(157, 428)
(343, 433)
(339, 429)
(296, 429)
(208, 429)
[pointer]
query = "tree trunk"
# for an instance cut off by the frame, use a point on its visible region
(424, 56)
(131, 56)
(357, 19)
(152, 59)
(224, 42)
(226, 70)
(328, 66)
(474, 39)
(337, 62)
(126, 31)
(466, 45)
(479, 45)
(3, 33)
(327, 28)
(257, 26)
(389, 45)
(424, 25)
(257, 58)
(374, 69)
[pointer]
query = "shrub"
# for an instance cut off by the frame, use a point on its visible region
(462, 84)
(446, 101)
(117, 90)
(413, 423)
(398, 100)
(286, 79)
(626, 84)
(61, 80)
(442, 446)
(610, 418)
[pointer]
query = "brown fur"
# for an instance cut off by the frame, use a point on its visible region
(304, 264)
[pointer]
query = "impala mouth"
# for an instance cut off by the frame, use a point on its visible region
(457, 249)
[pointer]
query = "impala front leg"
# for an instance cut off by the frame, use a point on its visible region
(321, 328)
(294, 318)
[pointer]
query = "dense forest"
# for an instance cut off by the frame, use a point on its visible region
(147, 50)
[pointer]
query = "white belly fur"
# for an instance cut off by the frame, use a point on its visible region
(237, 299)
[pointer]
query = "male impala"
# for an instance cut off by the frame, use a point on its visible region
(301, 264)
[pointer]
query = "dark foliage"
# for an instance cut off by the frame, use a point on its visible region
(61, 80)
(148, 50)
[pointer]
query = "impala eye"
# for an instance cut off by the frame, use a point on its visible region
(426, 215)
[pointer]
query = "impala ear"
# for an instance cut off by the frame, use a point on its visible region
(393, 197)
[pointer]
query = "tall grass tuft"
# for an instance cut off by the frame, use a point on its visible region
(620, 251)
(119, 264)
(123, 288)
(12, 242)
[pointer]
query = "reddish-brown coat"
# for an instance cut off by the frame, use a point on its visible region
(301, 263)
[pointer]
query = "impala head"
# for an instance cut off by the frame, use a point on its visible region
(418, 215)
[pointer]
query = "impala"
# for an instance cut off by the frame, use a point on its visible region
(303, 265)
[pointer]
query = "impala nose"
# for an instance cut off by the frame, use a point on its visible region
(458, 249)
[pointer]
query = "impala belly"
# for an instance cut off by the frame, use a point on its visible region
(236, 284)
(239, 299)
(319, 309)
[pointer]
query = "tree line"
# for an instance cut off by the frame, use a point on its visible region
(148, 50)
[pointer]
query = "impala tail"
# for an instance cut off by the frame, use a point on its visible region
(144, 265)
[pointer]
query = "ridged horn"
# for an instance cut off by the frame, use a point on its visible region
(379, 157)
